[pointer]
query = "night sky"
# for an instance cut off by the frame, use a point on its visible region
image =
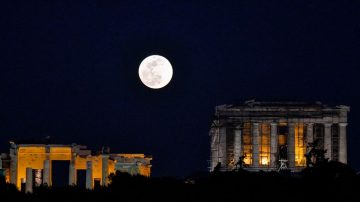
(69, 70)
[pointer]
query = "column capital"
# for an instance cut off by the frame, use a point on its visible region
(343, 124)
(327, 124)
(255, 124)
(309, 124)
(274, 123)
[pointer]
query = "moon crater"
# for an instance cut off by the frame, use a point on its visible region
(155, 71)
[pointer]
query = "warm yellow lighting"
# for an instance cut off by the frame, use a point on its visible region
(247, 143)
(34, 157)
(264, 144)
(247, 160)
(264, 161)
(300, 147)
(282, 139)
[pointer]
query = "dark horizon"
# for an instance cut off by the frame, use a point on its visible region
(69, 70)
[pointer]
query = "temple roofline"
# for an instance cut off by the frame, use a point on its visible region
(278, 104)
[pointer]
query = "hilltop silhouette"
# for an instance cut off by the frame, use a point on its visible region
(324, 182)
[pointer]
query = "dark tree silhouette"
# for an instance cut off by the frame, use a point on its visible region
(316, 154)
(241, 163)
(217, 167)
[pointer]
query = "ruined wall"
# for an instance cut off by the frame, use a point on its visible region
(38, 156)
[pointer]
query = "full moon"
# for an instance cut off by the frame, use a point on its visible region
(155, 71)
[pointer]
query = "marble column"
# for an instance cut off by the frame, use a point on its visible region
(237, 144)
(342, 143)
(1, 170)
(29, 181)
(46, 174)
(291, 145)
(214, 134)
(255, 141)
(273, 145)
(89, 175)
(327, 140)
(72, 170)
(13, 165)
(105, 169)
(222, 148)
(2, 173)
(309, 135)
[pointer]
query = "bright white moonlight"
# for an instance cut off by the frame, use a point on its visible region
(155, 71)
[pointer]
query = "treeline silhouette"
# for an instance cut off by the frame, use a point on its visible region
(329, 181)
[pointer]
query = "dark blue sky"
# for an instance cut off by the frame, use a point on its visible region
(68, 69)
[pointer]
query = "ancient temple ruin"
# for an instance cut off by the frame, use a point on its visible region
(258, 133)
(29, 165)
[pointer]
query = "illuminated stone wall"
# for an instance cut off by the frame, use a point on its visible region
(36, 157)
(133, 164)
(260, 132)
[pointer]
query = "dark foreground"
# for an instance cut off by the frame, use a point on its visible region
(329, 182)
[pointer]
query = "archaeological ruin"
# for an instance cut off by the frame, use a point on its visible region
(29, 165)
(270, 136)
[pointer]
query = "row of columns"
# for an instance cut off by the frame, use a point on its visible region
(89, 172)
(72, 173)
(274, 143)
(328, 140)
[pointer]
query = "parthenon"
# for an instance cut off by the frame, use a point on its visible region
(31, 164)
(259, 132)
